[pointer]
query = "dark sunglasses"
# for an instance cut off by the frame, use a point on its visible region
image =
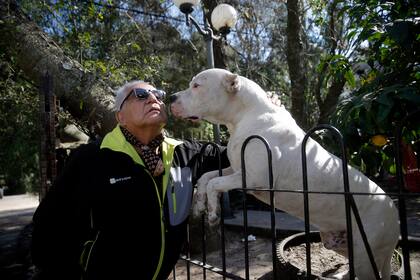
(143, 94)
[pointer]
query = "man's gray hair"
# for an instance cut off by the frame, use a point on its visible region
(123, 91)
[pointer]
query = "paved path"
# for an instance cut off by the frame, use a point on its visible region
(11, 203)
(16, 213)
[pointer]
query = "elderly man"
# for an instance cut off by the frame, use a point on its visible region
(119, 208)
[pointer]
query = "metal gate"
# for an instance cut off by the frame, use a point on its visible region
(350, 208)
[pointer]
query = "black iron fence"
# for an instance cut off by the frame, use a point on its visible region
(350, 208)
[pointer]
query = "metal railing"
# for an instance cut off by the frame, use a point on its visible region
(350, 208)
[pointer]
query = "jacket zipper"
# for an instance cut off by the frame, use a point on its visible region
(162, 227)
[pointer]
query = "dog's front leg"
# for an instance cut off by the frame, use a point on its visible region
(200, 196)
(216, 186)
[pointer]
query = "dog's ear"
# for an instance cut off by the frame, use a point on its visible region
(232, 83)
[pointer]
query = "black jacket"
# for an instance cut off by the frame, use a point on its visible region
(104, 217)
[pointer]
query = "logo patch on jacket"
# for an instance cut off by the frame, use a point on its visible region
(116, 180)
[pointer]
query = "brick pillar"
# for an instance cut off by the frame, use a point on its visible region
(48, 167)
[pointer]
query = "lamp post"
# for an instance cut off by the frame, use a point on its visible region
(223, 17)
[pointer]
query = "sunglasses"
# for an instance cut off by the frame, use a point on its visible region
(143, 94)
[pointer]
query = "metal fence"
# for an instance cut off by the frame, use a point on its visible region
(350, 208)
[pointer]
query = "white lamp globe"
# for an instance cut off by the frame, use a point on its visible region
(186, 3)
(224, 16)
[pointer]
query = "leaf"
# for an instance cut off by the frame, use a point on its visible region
(376, 35)
(350, 78)
(85, 37)
(136, 46)
(399, 32)
(91, 10)
(385, 99)
(101, 65)
(352, 34)
(392, 169)
(383, 113)
(367, 124)
(410, 95)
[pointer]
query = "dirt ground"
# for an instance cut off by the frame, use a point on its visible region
(260, 261)
(260, 256)
(327, 263)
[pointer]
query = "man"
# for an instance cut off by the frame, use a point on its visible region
(119, 208)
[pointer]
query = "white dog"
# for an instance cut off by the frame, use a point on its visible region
(221, 97)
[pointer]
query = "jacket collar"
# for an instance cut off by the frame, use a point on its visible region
(116, 141)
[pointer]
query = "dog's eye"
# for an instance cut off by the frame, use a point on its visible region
(195, 85)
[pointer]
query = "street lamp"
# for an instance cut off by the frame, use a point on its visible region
(223, 17)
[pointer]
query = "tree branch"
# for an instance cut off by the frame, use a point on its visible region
(85, 97)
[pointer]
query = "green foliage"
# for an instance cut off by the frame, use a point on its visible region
(19, 129)
(390, 90)
(337, 66)
(115, 45)
(120, 46)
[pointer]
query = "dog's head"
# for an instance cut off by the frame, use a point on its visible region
(214, 95)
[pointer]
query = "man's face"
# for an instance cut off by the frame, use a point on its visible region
(138, 113)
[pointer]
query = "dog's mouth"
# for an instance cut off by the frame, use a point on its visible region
(177, 112)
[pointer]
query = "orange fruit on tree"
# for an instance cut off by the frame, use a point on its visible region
(379, 140)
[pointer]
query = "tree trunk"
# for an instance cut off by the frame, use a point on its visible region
(85, 97)
(295, 61)
(330, 102)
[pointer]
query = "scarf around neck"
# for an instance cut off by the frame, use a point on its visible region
(151, 153)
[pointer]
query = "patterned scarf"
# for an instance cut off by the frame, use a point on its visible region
(151, 154)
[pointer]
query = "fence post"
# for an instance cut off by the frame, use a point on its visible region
(47, 159)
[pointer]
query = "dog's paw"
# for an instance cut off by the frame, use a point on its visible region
(213, 214)
(213, 219)
(199, 206)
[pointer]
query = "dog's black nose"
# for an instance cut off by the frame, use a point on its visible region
(172, 98)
